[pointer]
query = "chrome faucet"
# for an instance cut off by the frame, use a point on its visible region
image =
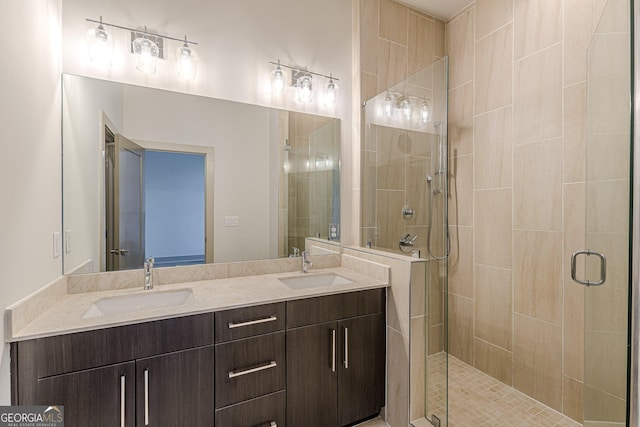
(148, 274)
(306, 264)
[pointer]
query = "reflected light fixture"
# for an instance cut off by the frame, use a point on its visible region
(332, 91)
(388, 105)
(425, 112)
(147, 52)
(100, 44)
(305, 88)
(187, 61)
(406, 108)
(278, 81)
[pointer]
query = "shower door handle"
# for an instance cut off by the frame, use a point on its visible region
(603, 268)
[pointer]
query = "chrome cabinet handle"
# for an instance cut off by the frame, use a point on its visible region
(123, 399)
(252, 322)
(270, 365)
(603, 268)
(333, 350)
(146, 397)
(346, 348)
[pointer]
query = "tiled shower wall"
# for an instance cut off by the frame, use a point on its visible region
(517, 126)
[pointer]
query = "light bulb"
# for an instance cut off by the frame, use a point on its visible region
(388, 104)
(407, 109)
(278, 81)
(187, 61)
(305, 88)
(425, 113)
(147, 52)
(332, 92)
(100, 44)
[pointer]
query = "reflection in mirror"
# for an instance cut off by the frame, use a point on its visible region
(188, 179)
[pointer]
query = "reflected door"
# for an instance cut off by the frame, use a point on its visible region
(605, 261)
(124, 204)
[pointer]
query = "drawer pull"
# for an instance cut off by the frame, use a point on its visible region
(123, 399)
(146, 397)
(346, 348)
(270, 365)
(253, 322)
(333, 350)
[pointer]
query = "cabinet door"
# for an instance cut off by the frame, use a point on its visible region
(101, 397)
(312, 375)
(361, 368)
(176, 389)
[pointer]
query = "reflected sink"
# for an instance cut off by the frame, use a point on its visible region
(142, 301)
(314, 281)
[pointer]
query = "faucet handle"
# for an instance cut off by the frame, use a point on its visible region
(148, 263)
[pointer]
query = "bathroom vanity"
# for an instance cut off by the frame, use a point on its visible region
(303, 361)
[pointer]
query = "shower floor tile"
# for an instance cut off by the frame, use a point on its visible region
(477, 400)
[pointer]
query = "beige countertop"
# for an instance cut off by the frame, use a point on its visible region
(65, 315)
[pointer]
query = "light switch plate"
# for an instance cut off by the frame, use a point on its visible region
(231, 221)
(57, 244)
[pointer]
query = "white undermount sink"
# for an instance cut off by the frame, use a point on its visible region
(314, 281)
(140, 301)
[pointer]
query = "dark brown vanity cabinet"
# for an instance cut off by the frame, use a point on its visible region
(157, 374)
(250, 366)
(335, 359)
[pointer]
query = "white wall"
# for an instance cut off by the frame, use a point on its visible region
(237, 39)
(239, 134)
(30, 162)
(84, 100)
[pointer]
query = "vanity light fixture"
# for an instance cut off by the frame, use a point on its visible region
(388, 105)
(187, 61)
(302, 80)
(100, 44)
(425, 112)
(146, 46)
(406, 108)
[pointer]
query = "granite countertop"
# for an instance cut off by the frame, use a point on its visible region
(65, 316)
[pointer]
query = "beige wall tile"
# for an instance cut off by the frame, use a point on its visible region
(599, 405)
(605, 363)
(612, 16)
(459, 40)
(493, 149)
(574, 226)
(389, 218)
(421, 38)
(607, 206)
(494, 70)
(537, 25)
(578, 29)
(537, 185)
(438, 38)
(397, 409)
(573, 399)
(608, 108)
(368, 86)
(493, 307)
(391, 153)
(615, 246)
(537, 360)
(369, 18)
(538, 285)
(461, 190)
(461, 328)
(461, 261)
(392, 64)
(393, 21)
(574, 303)
(537, 96)
(575, 130)
(418, 190)
(418, 367)
(491, 15)
(606, 309)
(494, 361)
(608, 156)
(492, 228)
(436, 292)
(368, 192)
(436, 341)
(460, 129)
(419, 289)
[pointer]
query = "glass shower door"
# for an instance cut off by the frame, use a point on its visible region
(607, 219)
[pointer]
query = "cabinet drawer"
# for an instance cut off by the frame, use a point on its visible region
(84, 350)
(250, 321)
(249, 368)
(334, 307)
(263, 412)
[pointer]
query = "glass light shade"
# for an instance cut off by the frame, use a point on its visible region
(407, 109)
(425, 113)
(147, 52)
(332, 93)
(278, 82)
(100, 44)
(187, 62)
(305, 88)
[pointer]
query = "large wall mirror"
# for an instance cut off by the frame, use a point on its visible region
(187, 179)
